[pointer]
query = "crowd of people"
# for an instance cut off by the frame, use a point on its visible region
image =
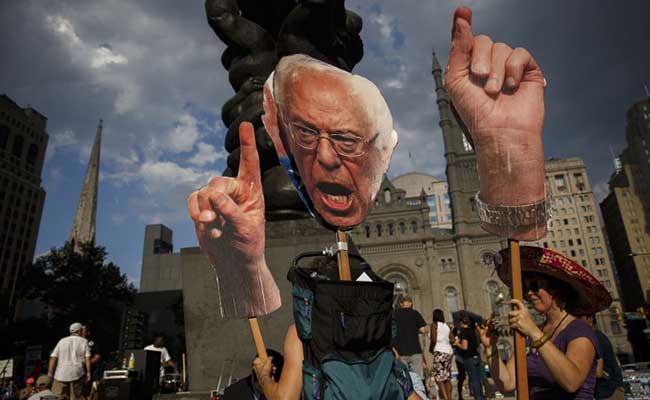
(567, 356)
(75, 369)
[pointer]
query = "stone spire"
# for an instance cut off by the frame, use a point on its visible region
(83, 227)
(462, 177)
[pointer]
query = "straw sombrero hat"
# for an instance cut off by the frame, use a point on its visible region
(590, 295)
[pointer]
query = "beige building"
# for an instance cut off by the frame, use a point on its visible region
(625, 220)
(575, 230)
(437, 195)
(626, 209)
(23, 140)
(447, 266)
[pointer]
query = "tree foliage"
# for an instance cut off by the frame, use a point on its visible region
(80, 287)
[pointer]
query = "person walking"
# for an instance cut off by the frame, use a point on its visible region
(67, 363)
(440, 347)
(410, 325)
(467, 345)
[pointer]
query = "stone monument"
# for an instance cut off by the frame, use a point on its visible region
(257, 35)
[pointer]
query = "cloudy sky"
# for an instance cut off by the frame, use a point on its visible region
(151, 70)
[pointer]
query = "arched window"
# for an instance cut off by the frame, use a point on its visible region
(4, 137)
(414, 227)
(443, 265)
(451, 295)
(18, 146)
(378, 230)
(387, 196)
(402, 228)
(367, 229)
(400, 288)
(450, 264)
(390, 229)
(32, 153)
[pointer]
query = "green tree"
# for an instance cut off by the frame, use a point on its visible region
(80, 287)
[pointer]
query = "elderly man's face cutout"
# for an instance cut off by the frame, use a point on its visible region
(336, 129)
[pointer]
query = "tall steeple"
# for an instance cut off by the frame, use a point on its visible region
(462, 176)
(83, 227)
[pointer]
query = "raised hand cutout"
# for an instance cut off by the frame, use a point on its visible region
(228, 217)
(499, 94)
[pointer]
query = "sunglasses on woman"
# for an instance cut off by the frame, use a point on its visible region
(534, 284)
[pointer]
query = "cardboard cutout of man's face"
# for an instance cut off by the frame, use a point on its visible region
(336, 130)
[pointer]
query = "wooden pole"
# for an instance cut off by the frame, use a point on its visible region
(342, 256)
(257, 338)
(520, 341)
(184, 380)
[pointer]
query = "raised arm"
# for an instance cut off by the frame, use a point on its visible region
(290, 384)
(569, 369)
(502, 373)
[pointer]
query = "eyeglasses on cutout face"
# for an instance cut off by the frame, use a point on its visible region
(345, 144)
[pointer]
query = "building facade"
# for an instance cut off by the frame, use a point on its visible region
(23, 141)
(625, 221)
(446, 266)
(437, 195)
(626, 209)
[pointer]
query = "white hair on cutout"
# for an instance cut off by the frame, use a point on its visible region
(376, 109)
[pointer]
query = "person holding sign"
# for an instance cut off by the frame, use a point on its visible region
(562, 353)
(333, 134)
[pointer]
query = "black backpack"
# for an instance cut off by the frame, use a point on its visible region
(346, 328)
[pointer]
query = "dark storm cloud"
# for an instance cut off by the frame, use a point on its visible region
(151, 69)
(594, 55)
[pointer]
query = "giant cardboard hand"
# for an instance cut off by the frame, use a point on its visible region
(228, 216)
(499, 94)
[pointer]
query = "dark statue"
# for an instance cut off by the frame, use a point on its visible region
(257, 34)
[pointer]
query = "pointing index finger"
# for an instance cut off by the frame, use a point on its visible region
(462, 41)
(249, 161)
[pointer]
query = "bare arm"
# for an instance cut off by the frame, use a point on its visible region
(95, 359)
(571, 369)
(503, 373)
(171, 364)
(600, 368)
(434, 337)
(51, 366)
(87, 362)
(290, 384)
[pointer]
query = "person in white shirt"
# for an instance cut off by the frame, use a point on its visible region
(67, 363)
(43, 392)
(165, 359)
(442, 351)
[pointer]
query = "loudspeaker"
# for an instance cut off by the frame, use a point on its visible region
(119, 389)
(147, 366)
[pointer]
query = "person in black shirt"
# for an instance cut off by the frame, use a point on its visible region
(609, 376)
(407, 342)
(460, 367)
(467, 345)
(248, 387)
(96, 364)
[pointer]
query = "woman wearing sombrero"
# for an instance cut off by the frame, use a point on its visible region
(561, 354)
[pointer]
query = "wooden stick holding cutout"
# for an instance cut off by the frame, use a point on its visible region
(229, 221)
(521, 369)
(342, 256)
(257, 338)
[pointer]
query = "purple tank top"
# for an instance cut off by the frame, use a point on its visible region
(540, 382)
